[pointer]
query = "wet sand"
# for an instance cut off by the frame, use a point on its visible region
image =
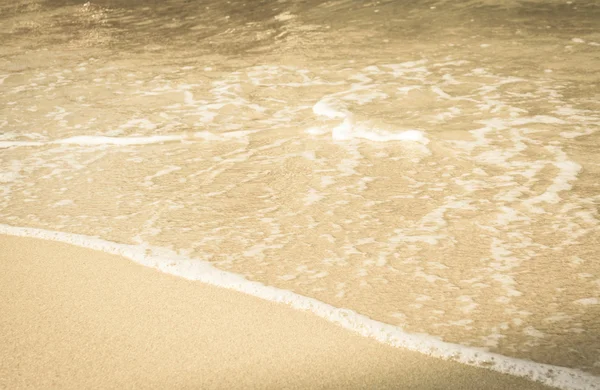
(78, 318)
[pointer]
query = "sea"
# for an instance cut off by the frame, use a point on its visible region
(425, 173)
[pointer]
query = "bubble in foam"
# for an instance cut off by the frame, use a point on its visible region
(328, 109)
(349, 130)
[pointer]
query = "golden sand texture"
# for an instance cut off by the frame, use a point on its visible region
(78, 318)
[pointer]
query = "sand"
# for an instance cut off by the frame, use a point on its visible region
(77, 318)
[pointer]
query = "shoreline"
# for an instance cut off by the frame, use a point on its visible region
(77, 318)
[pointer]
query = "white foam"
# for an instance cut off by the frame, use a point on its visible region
(95, 140)
(588, 301)
(408, 88)
(316, 131)
(348, 129)
(327, 108)
(64, 202)
(138, 123)
(438, 91)
(148, 180)
(312, 197)
(170, 262)
(568, 171)
(285, 16)
(89, 140)
(546, 119)
(10, 144)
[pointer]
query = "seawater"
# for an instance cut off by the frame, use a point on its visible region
(425, 173)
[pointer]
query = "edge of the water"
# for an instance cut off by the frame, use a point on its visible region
(172, 263)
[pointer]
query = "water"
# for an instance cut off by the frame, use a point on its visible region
(432, 166)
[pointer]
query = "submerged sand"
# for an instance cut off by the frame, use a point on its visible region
(78, 318)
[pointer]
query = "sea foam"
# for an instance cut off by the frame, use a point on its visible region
(350, 128)
(96, 140)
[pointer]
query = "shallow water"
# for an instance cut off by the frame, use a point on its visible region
(432, 166)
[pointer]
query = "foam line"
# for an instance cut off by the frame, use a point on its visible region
(88, 140)
(348, 129)
(95, 140)
(91, 140)
(10, 144)
(172, 263)
(325, 108)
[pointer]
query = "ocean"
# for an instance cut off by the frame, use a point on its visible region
(422, 172)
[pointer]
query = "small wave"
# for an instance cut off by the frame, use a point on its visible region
(95, 140)
(350, 129)
(90, 140)
(170, 262)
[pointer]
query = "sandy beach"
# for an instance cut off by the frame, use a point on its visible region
(299, 194)
(77, 318)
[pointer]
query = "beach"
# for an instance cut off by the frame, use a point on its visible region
(76, 318)
(323, 193)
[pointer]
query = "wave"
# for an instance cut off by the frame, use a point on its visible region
(350, 128)
(172, 263)
(95, 140)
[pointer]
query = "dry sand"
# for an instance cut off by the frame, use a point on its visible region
(77, 318)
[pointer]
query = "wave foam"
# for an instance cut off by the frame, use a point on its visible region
(350, 129)
(95, 140)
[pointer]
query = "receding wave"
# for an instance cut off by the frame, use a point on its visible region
(172, 263)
